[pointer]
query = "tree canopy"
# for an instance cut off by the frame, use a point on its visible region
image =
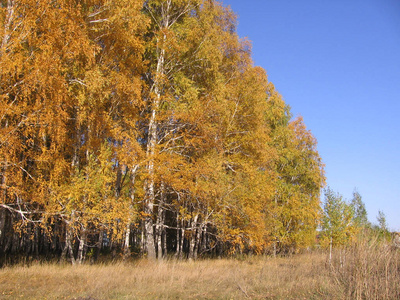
(144, 127)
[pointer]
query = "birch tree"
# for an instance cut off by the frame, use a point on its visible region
(337, 221)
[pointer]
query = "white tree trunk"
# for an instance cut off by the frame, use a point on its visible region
(193, 237)
(151, 147)
(68, 244)
(81, 248)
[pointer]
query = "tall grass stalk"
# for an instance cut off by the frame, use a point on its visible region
(368, 269)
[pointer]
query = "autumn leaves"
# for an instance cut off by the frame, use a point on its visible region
(146, 122)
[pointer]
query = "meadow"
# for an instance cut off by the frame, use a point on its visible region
(366, 270)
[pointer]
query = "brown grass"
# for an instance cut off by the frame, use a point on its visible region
(299, 277)
(369, 269)
(355, 273)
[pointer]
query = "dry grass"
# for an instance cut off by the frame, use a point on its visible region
(300, 277)
(369, 269)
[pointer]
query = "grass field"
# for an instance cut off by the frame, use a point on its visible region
(366, 271)
(299, 277)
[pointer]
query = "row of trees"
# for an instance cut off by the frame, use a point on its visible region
(344, 222)
(143, 126)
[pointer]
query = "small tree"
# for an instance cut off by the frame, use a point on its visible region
(381, 218)
(382, 227)
(359, 211)
(337, 221)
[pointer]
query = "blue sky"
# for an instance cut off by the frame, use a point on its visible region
(337, 63)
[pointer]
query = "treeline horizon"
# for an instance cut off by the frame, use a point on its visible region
(143, 128)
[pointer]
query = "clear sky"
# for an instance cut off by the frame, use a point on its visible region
(337, 63)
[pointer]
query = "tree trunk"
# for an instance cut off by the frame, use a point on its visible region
(150, 182)
(127, 246)
(178, 231)
(204, 239)
(9, 230)
(182, 240)
(36, 241)
(160, 223)
(157, 88)
(148, 221)
(159, 229)
(2, 227)
(193, 237)
(142, 241)
(198, 240)
(68, 244)
(82, 246)
(99, 244)
(164, 239)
